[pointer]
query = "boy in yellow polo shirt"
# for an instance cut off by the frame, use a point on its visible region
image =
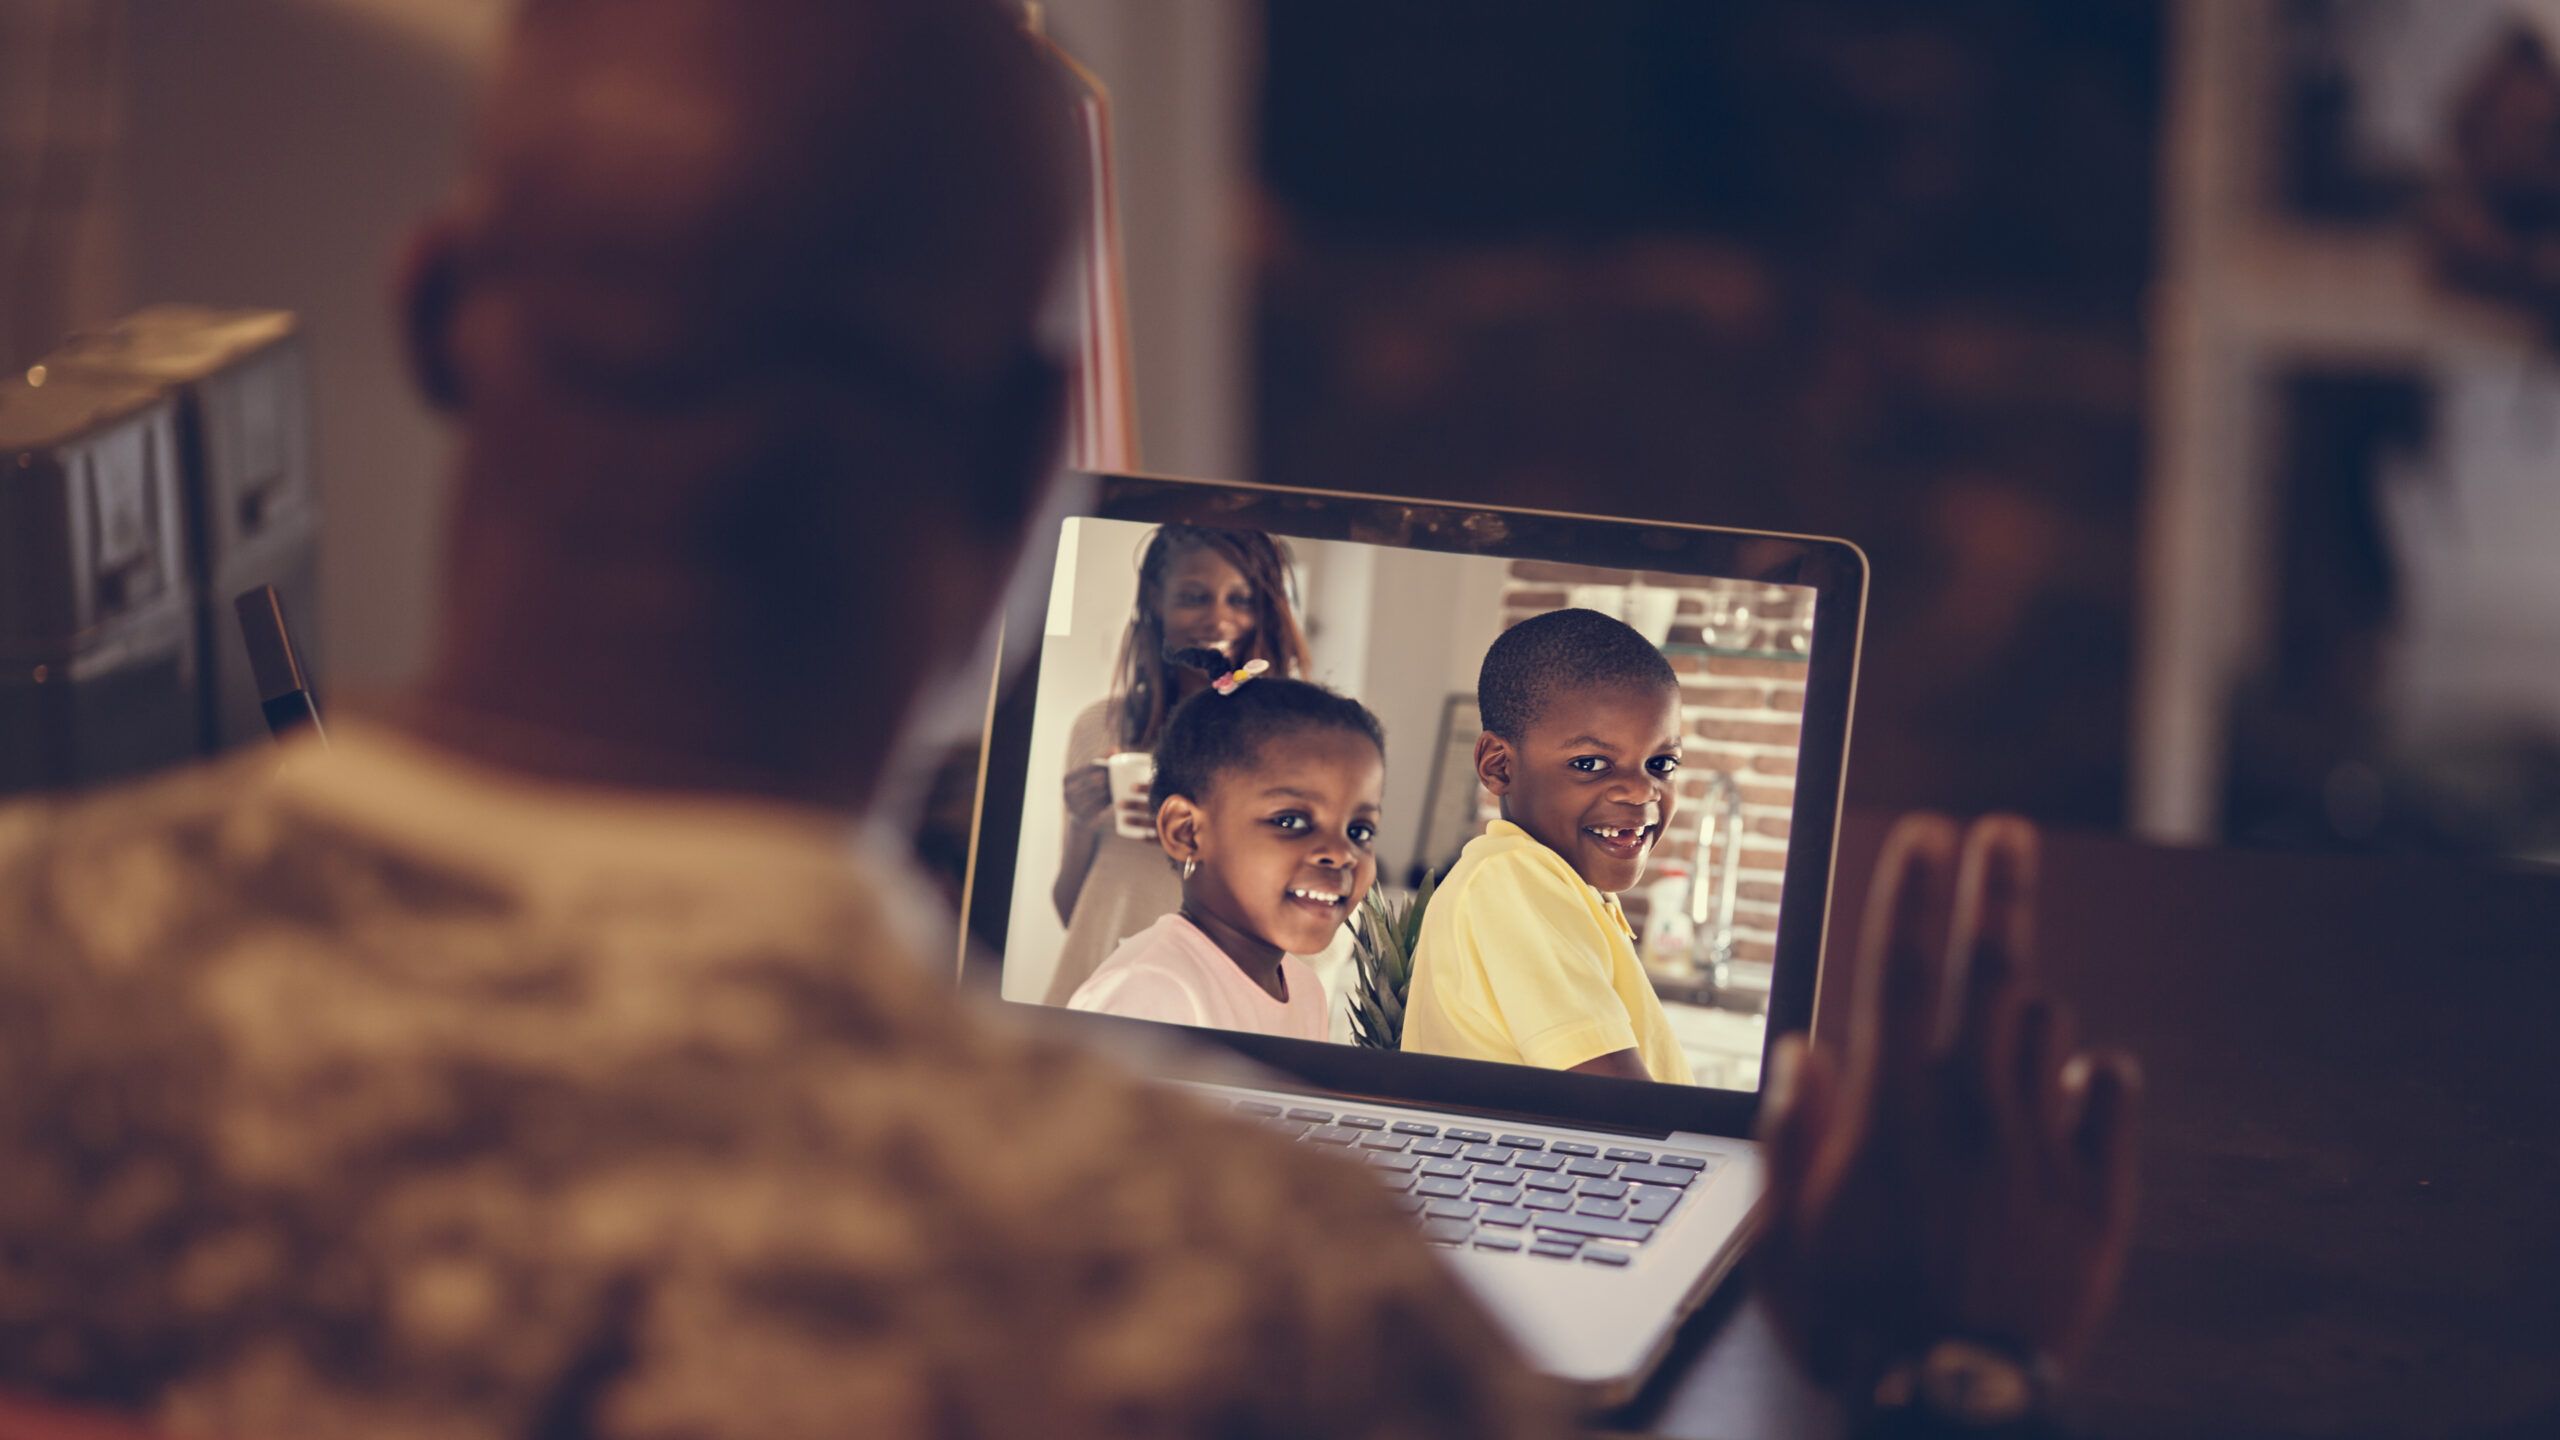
(1524, 955)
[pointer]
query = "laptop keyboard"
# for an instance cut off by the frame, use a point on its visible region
(1504, 1191)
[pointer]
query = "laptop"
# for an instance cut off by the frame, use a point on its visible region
(1590, 1214)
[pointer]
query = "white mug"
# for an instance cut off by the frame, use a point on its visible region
(1129, 770)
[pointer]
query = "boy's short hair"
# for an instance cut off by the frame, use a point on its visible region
(1562, 649)
(1211, 732)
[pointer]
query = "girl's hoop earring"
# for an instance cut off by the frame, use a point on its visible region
(1190, 863)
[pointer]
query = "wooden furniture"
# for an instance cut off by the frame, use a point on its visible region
(2351, 1158)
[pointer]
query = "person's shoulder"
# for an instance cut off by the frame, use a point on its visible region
(1507, 861)
(110, 845)
(1127, 1130)
(147, 806)
(1098, 1143)
(1169, 942)
(1167, 1247)
(1242, 1192)
(110, 902)
(1159, 959)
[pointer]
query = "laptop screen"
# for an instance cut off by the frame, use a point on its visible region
(1427, 798)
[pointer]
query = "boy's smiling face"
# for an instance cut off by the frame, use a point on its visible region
(1593, 778)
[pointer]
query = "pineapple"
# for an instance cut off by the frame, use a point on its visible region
(1382, 952)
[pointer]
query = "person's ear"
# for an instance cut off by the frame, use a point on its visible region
(1178, 828)
(1494, 759)
(429, 284)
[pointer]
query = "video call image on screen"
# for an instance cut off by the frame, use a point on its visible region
(1250, 755)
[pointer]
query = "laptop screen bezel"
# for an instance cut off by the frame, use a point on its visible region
(1835, 570)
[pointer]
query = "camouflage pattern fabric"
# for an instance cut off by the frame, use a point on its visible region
(367, 1093)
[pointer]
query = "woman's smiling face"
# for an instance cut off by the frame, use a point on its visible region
(1207, 602)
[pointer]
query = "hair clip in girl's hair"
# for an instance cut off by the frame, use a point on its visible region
(1226, 684)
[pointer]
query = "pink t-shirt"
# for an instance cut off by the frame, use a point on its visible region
(1172, 971)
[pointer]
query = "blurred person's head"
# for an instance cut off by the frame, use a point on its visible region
(1202, 588)
(739, 313)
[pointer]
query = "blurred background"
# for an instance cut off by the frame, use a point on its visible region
(2185, 367)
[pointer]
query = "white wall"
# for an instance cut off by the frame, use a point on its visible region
(1183, 79)
(1436, 614)
(1076, 659)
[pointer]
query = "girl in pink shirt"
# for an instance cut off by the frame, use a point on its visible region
(1267, 795)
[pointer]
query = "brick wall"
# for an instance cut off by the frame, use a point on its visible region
(1743, 700)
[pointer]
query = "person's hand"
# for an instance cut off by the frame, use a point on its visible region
(1088, 790)
(1139, 811)
(1956, 1171)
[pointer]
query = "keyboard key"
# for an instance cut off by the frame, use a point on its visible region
(1651, 1204)
(1401, 1164)
(1452, 1169)
(1472, 1137)
(1497, 1175)
(1605, 1255)
(1446, 1232)
(1641, 1157)
(1449, 1210)
(1256, 1107)
(1489, 1240)
(1414, 1127)
(1541, 1200)
(1437, 1147)
(1532, 1160)
(1333, 1135)
(1596, 1226)
(1523, 1142)
(1441, 1187)
(1602, 1189)
(1496, 1194)
(1682, 1162)
(1288, 1129)
(1510, 1217)
(1384, 1144)
(1312, 1117)
(1395, 1181)
(1574, 1147)
(1362, 1122)
(1658, 1175)
(1595, 1169)
(1488, 1154)
(1554, 1251)
(1605, 1209)
(1560, 1184)
(1412, 1203)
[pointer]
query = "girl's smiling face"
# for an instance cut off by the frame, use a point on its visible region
(1288, 844)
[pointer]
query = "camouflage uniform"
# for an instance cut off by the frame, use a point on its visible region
(371, 1094)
